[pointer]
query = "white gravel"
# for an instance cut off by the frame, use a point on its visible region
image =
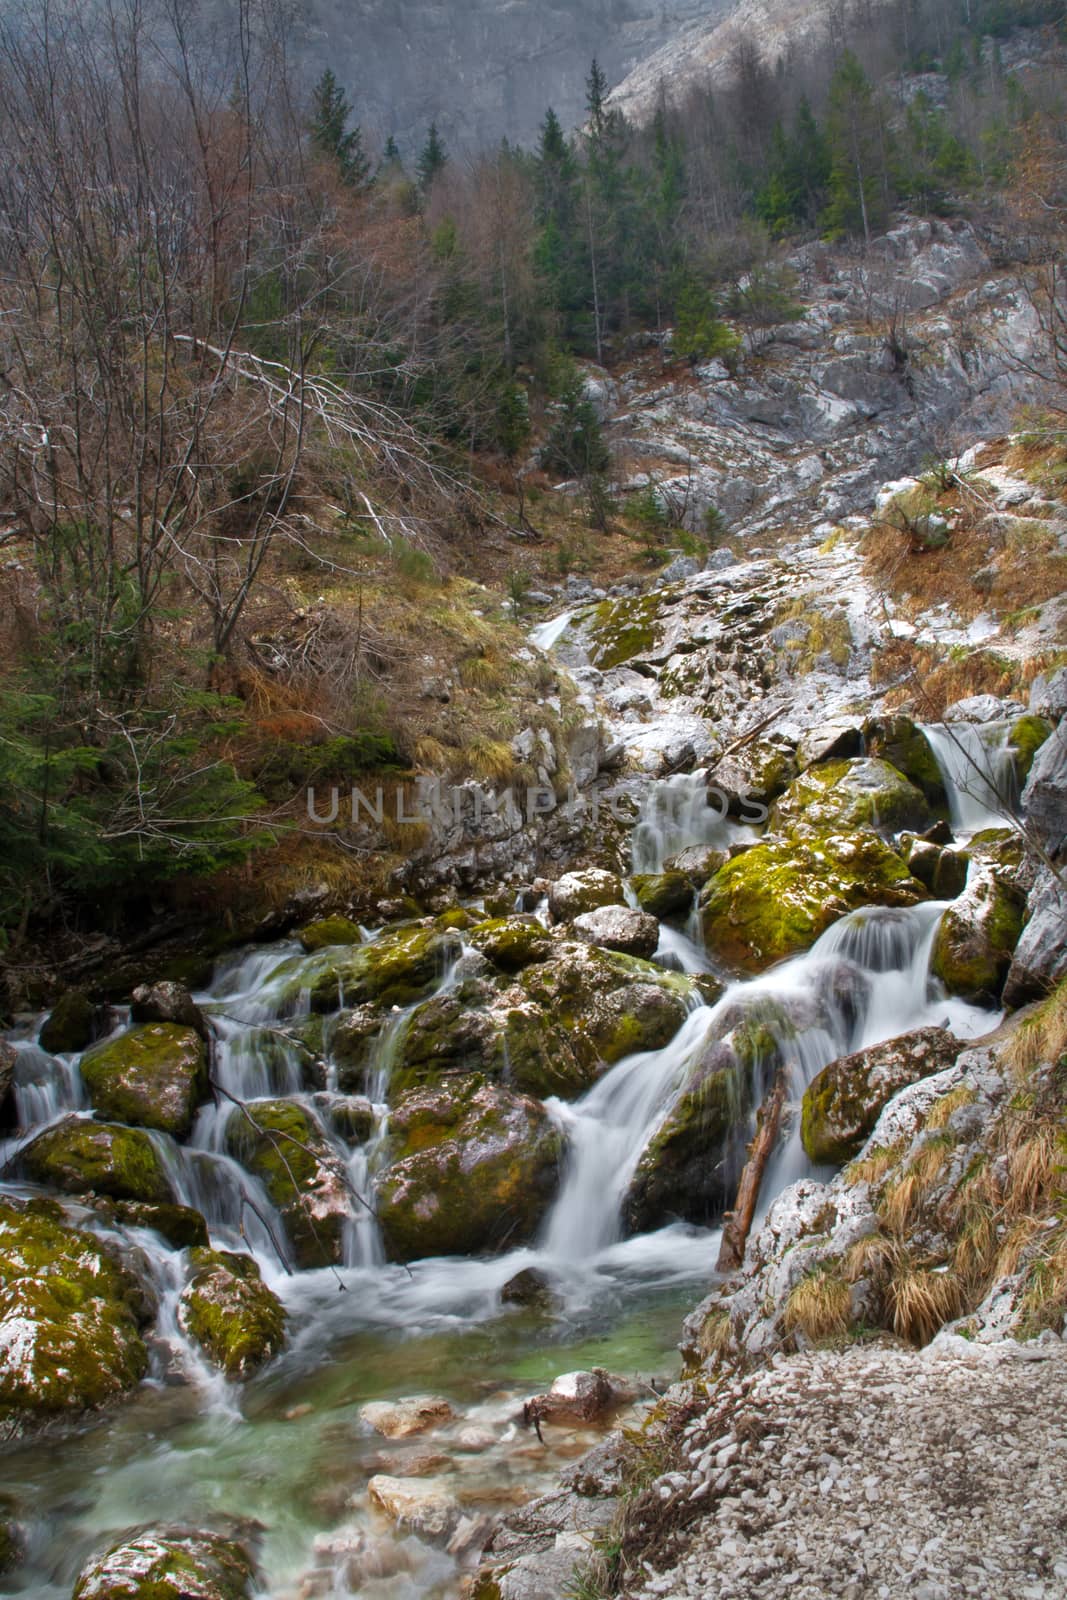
(875, 1474)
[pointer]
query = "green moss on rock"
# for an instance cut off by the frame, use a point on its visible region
(72, 1024)
(70, 1314)
(1027, 736)
(622, 629)
(282, 1145)
(664, 894)
(475, 1168)
(512, 943)
(863, 793)
(898, 740)
(844, 1101)
(152, 1077)
(977, 937)
(168, 1564)
(776, 899)
(398, 968)
(330, 931)
(231, 1314)
(81, 1157)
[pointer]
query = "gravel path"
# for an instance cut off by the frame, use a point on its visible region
(880, 1474)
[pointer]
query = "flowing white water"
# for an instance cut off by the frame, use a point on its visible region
(979, 773)
(675, 815)
(549, 633)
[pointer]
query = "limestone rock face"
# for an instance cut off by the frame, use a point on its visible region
(168, 1564)
(151, 1077)
(1044, 799)
(1039, 961)
(844, 1101)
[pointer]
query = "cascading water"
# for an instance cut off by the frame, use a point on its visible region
(978, 769)
(675, 815)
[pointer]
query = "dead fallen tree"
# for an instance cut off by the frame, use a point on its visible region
(739, 1220)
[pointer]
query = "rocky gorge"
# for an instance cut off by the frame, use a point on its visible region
(297, 1264)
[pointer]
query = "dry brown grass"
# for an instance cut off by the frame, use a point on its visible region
(922, 1299)
(818, 1306)
(1041, 1036)
(874, 1166)
(902, 1198)
(942, 1109)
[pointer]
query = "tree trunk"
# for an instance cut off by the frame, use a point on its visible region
(739, 1221)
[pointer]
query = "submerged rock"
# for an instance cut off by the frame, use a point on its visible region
(475, 1170)
(634, 933)
(977, 937)
(530, 1288)
(775, 899)
(168, 1564)
(576, 892)
(844, 1101)
(81, 1157)
(152, 1077)
(427, 1507)
(281, 1144)
(404, 1419)
(70, 1317)
(228, 1310)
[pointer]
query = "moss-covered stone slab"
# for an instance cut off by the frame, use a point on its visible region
(619, 630)
(168, 1564)
(977, 936)
(398, 968)
(844, 1101)
(666, 895)
(330, 931)
(70, 1319)
(475, 1168)
(227, 1309)
(154, 1076)
(512, 943)
(181, 1226)
(776, 899)
(78, 1156)
(636, 1018)
(282, 1145)
(865, 793)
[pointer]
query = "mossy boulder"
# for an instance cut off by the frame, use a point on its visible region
(351, 1117)
(903, 744)
(512, 943)
(72, 1024)
(330, 931)
(666, 895)
(637, 1017)
(844, 1101)
(1026, 737)
(445, 1035)
(977, 936)
(71, 1318)
(775, 899)
(167, 1001)
(634, 933)
(583, 991)
(753, 776)
(181, 1226)
(282, 1145)
(865, 793)
(154, 1076)
(168, 1564)
(350, 1039)
(475, 1167)
(78, 1156)
(401, 966)
(689, 1168)
(619, 630)
(539, 1057)
(507, 1038)
(227, 1309)
(576, 892)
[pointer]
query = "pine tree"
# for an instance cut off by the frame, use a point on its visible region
(432, 161)
(854, 126)
(331, 137)
(596, 94)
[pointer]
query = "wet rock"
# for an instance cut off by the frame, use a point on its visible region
(82, 1157)
(1039, 961)
(666, 895)
(699, 863)
(12, 1542)
(754, 775)
(836, 740)
(167, 1002)
(865, 793)
(70, 1316)
(977, 937)
(639, 1017)
(512, 943)
(580, 1397)
(1048, 695)
(950, 875)
(1044, 799)
(168, 1564)
(8, 1112)
(900, 742)
(426, 1508)
(330, 931)
(351, 1117)
(352, 1042)
(577, 892)
(403, 1419)
(983, 708)
(531, 1288)
(779, 896)
(73, 1024)
(399, 967)
(844, 1101)
(475, 1169)
(1026, 736)
(616, 927)
(151, 1077)
(228, 1310)
(285, 1149)
(181, 1226)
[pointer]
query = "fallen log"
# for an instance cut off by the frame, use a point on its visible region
(739, 1221)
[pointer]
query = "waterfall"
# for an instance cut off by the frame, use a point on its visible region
(978, 769)
(675, 815)
(546, 634)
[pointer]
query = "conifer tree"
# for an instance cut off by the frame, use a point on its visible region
(331, 137)
(433, 159)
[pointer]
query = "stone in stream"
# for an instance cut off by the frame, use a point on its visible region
(73, 1024)
(167, 1002)
(530, 1288)
(330, 931)
(281, 1144)
(168, 1563)
(977, 936)
(402, 965)
(844, 1101)
(154, 1076)
(71, 1314)
(633, 933)
(864, 793)
(901, 742)
(426, 1507)
(403, 1419)
(775, 899)
(476, 1167)
(182, 1227)
(228, 1310)
(576, 892)
(512, 943)
(664, 894)
(580, 1397)
(77, 1156)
